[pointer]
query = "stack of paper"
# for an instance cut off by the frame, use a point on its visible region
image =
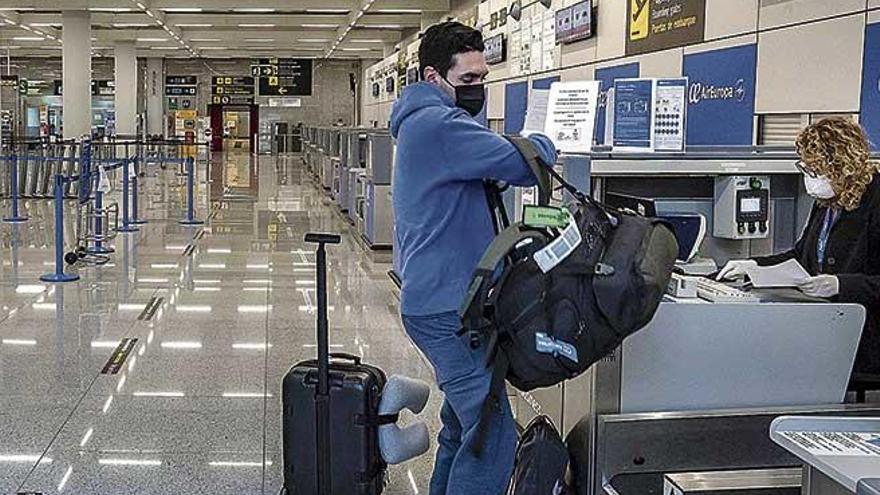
(787, 274)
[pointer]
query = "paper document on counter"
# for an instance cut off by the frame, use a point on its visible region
(787, 274)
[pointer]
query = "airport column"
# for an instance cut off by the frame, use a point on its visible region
(77, 67)
(126, 89)
(155, 96)
(429, 18)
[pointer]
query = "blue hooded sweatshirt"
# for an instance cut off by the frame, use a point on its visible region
(442, 220)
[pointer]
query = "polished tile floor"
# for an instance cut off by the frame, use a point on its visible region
(195, 409)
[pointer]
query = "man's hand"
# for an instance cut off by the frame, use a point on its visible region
(824, 286)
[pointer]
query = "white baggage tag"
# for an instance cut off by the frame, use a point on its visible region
(560, 248)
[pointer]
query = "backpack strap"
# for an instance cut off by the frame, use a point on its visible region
(492, 401)
(536, 164)
(471, 311)
(495, 201)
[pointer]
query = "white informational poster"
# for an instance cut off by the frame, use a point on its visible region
(551, 52)
(514, 48)
(525, 43)
(571, 115)
(537, 44)
(670, 124)
(536, 113)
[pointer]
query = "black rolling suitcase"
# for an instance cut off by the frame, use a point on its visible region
(329, 417)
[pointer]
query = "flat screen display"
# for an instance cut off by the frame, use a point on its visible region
(750, 205)
(495, 52)
(575, 23)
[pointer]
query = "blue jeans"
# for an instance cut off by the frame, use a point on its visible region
(464, 379)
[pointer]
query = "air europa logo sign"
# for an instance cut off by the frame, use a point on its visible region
(702, 91)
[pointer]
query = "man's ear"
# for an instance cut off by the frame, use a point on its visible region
(430, 75)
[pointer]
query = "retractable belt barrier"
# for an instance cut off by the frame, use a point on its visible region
(78, 169)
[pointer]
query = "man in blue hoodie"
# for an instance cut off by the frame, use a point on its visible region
(443, 226)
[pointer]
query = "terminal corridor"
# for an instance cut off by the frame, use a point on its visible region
(219, 312)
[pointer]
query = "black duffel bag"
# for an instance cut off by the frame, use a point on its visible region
(544, 328)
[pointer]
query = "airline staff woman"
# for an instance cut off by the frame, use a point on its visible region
(840, 246)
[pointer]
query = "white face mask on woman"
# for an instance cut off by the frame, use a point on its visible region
(819, 187)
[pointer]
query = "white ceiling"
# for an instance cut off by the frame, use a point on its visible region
(221, 28)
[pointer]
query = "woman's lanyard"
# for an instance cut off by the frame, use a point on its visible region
(831, 216)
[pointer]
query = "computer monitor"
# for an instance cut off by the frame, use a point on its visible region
(690, 230)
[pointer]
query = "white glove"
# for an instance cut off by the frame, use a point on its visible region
(824, 286)
(735, 268)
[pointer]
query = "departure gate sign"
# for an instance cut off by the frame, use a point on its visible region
(661, 24)
(283, 76)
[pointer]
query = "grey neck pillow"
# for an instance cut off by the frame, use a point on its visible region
(402, 444)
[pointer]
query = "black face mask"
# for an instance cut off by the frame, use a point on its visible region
(471, 98)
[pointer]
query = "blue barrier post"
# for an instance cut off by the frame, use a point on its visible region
(139, 162)
(59, 275)
(135, 191)
(14, 216)
(190, 194)
(126, 190)
(99, 247)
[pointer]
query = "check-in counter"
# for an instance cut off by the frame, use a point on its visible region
(841, 456)
(697, 388)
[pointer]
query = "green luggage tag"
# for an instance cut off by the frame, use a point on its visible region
(545, 217)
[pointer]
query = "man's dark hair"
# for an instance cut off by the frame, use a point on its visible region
(442, 42)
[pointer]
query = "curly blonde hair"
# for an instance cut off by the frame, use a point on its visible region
(838, 149)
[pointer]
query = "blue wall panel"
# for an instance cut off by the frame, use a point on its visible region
(544, 83)
(721, 97)
(606, 79)
(870, 107)
(516, 100)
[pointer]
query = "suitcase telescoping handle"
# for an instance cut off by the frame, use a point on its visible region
(322, 392)
(346, 357)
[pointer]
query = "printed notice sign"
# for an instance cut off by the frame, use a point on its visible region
(669, 119)
(634, 105)
(571, 115)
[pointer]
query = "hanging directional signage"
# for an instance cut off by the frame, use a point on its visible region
(181, 85)
(9, 81)
(103, 87)
(232, 86)
(657, 26)
(181, 80)
(180, 90)
(232, 100)
(283, 76)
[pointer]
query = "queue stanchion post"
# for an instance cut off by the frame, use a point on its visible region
(126, 197)
(14, 214)
(59, 275)
(190, 194)
(139, 164)
(99, 247)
